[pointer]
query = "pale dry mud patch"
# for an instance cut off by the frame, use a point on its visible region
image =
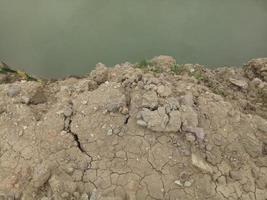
(126, 133)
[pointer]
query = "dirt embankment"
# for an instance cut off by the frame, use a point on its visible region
(151, 131)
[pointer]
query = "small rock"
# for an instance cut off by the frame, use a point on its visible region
(65, 195)
(190, 137)
(94, 195)
(201, 164)
(100, 74)
(116, 105)
(25, 100)
(240, 83)
(187, 100)
(84, 197)
(257, 68)
(124, 110)
(76, 195)
(116, 131)
(41, 175)
(141, 123)
(13, 90)
(69, 170)
(256, 82)
(67, 123)
(21, 133)
(38, 97)
(164, 91)
(45, 198)
(150, 100)
(109, 132)
(92, 85)
(178, 182)
(188, 183)
(236, 175)
(2, 109)
(198, 132)
(84, 102)
(221, 180)
(68, 111)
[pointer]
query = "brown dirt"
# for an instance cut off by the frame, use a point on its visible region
(126, 133)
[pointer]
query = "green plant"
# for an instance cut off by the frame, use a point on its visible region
(177, 69)
(144, 64)
(156, 69)
(5, 69)
(198, 76)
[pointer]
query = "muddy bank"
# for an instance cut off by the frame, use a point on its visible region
(155, 130)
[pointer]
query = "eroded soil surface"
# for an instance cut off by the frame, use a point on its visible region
(159, 131)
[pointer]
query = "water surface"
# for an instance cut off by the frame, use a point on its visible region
(55, 38)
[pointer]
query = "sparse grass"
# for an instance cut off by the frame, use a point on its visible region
(147, 65)
(198, 76)
(5, 69)
(177, 69)
(144, 64)
(156, 69)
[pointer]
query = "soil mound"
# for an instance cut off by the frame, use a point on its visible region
(154, 130)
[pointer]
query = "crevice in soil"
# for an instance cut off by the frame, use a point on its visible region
(127, 119)
(76, 138)
(67, 128)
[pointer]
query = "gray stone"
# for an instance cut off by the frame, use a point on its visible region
(189, 116)
(198, 132)
(188, 183)
(100, 74)
(201, 164)
(187, 100)
(13, 90)
(68, 111)
(150, 100)
(93, 195)
(110, 132)
(141, 123)
(160, 121)
(25, 100)
(45, 198)
(164, 91)
(65, 195)
(84, 197)
(178, 182)
(239, 83)
(38, 97)
(190, 137)
(115, 105)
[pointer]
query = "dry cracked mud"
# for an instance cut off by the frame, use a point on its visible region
(126, 133)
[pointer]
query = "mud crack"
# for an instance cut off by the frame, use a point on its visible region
(68, 113)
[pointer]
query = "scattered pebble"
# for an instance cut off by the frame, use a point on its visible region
(109, 132)
(178, 182)
(141, 123)
(188, 183)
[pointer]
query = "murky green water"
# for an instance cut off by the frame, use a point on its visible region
(60, 37)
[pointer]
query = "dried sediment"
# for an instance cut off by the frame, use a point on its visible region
(129, 133)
